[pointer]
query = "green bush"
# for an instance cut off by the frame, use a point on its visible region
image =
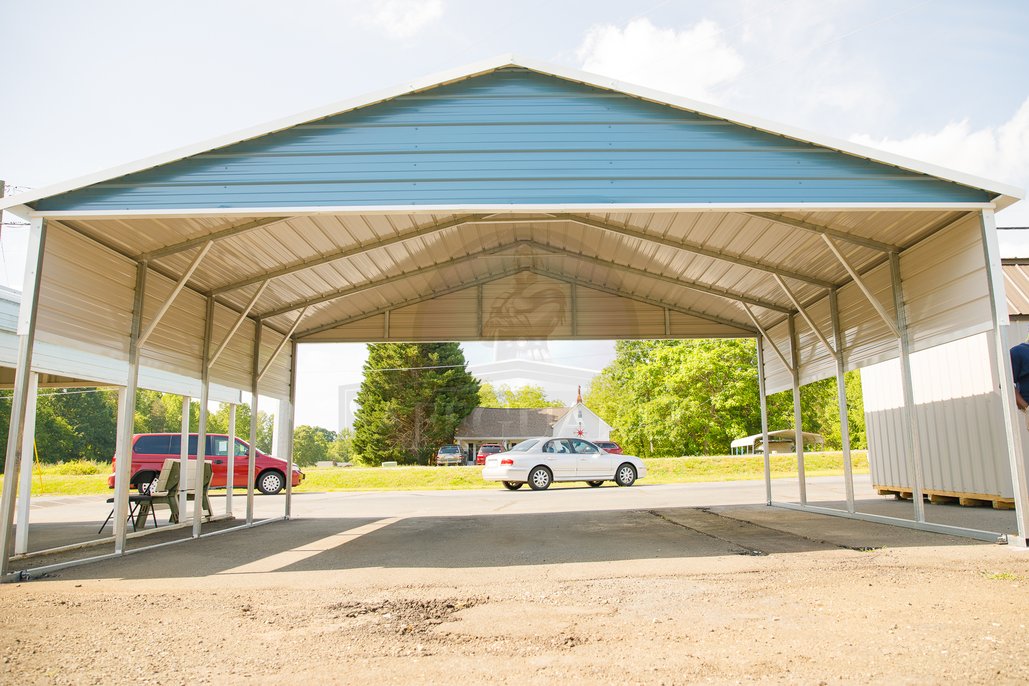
(78, 468)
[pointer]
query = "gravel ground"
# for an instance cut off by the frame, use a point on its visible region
(749, 599)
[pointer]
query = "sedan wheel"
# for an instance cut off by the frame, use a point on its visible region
(271, 482)
(595, 484)
(626, 475)
(512, 485)
(539, 479)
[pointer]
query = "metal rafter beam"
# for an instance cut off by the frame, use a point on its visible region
(589, 283)
(351, 251)
(412, 301)
(227, 232)
(683, 283)
(560, 252)
(822, 230)
(353, 290)
(690, 247)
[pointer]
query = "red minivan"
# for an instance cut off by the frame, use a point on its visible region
(149, 451)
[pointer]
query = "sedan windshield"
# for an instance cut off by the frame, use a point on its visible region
(524, 446)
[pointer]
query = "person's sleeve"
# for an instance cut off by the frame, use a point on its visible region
(1016, 365)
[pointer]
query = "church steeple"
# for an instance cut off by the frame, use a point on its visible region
(578, 398)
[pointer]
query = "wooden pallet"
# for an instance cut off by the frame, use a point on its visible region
(938, 497)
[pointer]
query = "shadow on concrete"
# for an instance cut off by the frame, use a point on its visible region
(507, 540)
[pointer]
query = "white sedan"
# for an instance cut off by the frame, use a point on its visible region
(542, 461)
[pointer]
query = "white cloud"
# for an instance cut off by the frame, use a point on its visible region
(1000, 153)
(402, 18)
(689, 62)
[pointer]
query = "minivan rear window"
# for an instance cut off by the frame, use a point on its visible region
(176, 445)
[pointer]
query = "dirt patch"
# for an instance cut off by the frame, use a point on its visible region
(937, 612)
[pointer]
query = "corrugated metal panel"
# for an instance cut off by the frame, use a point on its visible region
(451, 317)
(946, 291)
(233, 367)
(600, 314)
(362, 331)
(512, 136)
(1016, 286)
(275, 383)
(777, 376)
(958, 418)
(177, 344)
(85, 297)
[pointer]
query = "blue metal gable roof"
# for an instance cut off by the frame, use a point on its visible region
(510, 137)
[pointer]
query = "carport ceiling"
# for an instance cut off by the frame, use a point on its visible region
(347, 267)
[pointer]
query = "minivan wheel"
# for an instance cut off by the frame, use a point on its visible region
(626, 475)
(271, 482)
(595, 484)
(540, 478)
(512, 485)
(146, 482)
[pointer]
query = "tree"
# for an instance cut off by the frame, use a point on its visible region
(694, 397)
(342, 449)
(411, 400)
(521, 397)
(311, 444)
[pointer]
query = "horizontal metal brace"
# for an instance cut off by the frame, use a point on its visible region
(411, 301)
(344, 253)
(588, 283)
(694, 248)
(682, 283)
(824, 231)
(227, 232)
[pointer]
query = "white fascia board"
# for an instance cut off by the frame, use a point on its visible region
(1008, 194)
(26, 212)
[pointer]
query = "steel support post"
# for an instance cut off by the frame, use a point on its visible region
(230, 459)
(255, 367)
(1005, 379)
(19, 399)
(798, 427)
(21, 534)
(205, 394)
(290, 421)
(763, 398)
(127, 417)
(184, 451)
(841, 392)
(912, 443)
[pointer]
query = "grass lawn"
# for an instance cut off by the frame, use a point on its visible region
(68, 479)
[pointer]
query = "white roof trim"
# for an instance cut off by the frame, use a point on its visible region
(1008, 194)
(26, 212)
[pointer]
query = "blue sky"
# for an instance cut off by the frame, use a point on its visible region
(88, 85)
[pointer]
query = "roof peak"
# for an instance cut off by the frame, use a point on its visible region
(1006, 194)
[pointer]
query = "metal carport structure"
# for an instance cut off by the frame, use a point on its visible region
(506, 198)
